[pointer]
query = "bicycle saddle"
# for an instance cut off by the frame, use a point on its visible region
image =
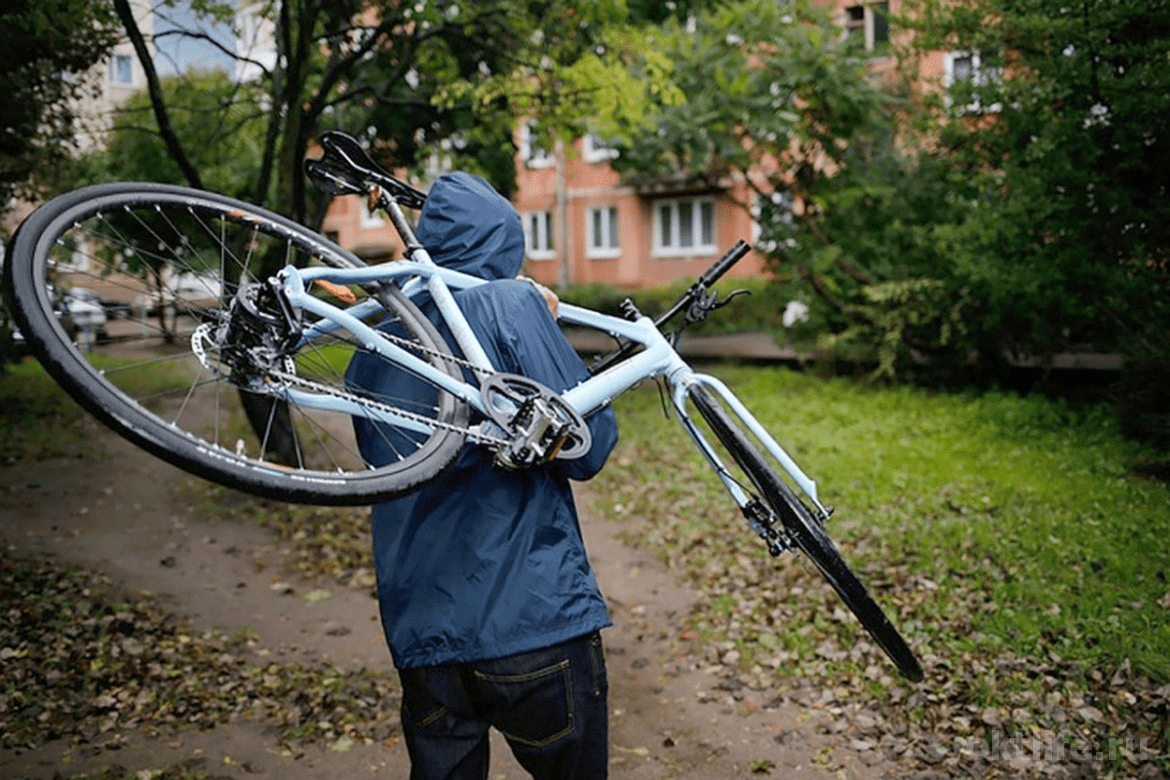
(346, 169)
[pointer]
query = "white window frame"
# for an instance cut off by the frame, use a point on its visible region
(867, 24)
(675, 244)
(532, 153)
(981, 74)
(607, 220)
(539, 243)
(117, 77)
(595, 150)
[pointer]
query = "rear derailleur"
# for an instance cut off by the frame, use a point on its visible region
(252, 339)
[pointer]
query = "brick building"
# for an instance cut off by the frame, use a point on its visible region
(584, 224)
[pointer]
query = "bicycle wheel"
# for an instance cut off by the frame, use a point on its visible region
(805, 531)
(166, 263)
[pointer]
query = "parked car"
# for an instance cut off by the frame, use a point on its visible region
(115, 310)
(186, 293)
(84, 313)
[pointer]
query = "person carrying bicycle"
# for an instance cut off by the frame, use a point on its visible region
(488, 602)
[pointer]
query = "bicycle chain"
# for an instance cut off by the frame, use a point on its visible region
(290, 378)
(477, 436)
(435, 353)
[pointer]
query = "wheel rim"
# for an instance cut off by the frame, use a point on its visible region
(172, 259)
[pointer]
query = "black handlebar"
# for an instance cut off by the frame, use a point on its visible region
(724, 264)
(697, 293)
(708, 278)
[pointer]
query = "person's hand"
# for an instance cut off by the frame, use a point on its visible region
(550, 298)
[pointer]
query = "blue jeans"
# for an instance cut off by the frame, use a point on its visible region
(549, 704)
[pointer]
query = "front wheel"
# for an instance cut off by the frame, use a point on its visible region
(121, 290)
(806, 532)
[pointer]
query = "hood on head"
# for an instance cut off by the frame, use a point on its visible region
(467, 226)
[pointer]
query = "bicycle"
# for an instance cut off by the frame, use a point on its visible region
(232, 368)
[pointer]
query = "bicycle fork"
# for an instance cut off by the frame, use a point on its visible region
(761, 517)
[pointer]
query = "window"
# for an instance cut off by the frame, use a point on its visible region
(602, 229)
(964, 72)
(531, 152)
(122, 70)
(869, 25)
(596, 150)
(684, 227)
(538, 235)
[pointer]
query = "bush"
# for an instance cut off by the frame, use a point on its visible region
(1143, 402)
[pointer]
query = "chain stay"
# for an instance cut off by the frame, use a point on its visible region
(478, 436)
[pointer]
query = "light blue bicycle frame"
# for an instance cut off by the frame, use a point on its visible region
(657, 359)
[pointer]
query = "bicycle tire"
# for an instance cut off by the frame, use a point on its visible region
(177, 256)
(806, 532)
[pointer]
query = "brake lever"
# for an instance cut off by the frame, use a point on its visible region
(730, 297)
(705, 303)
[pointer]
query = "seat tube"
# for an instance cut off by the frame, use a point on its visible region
(460, 329)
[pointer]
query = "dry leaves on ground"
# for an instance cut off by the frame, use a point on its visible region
(85, 664)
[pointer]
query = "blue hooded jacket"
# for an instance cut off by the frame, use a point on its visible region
(483, 563)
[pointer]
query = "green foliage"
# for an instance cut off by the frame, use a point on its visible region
(415, 80)
(1022, 213)
(1058, 152)
(849, 219)
(761, 80)
(592, 67)
(220, 122)
(49, 47)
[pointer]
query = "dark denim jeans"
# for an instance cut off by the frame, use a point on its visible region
(549, 704)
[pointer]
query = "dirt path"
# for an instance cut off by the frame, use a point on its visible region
(128, 515)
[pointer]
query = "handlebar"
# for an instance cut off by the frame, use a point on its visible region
(695, 294)
(708, 278)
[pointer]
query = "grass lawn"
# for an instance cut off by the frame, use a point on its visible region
(1007, 537)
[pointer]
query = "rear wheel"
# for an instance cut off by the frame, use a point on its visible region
(175, 259)
(805, 531)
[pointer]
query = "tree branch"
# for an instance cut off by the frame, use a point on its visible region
(174, 146)
(217, 44)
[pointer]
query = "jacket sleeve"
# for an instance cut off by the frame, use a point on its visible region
(539, 350)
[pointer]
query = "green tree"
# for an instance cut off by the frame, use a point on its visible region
(220, 121)
(1020, 212)
(414, 78)
(1058, 147)
(50, 47)
(775, 95)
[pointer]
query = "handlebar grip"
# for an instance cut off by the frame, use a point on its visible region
(724, 264)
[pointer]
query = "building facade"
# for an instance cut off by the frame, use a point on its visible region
(584, 224)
